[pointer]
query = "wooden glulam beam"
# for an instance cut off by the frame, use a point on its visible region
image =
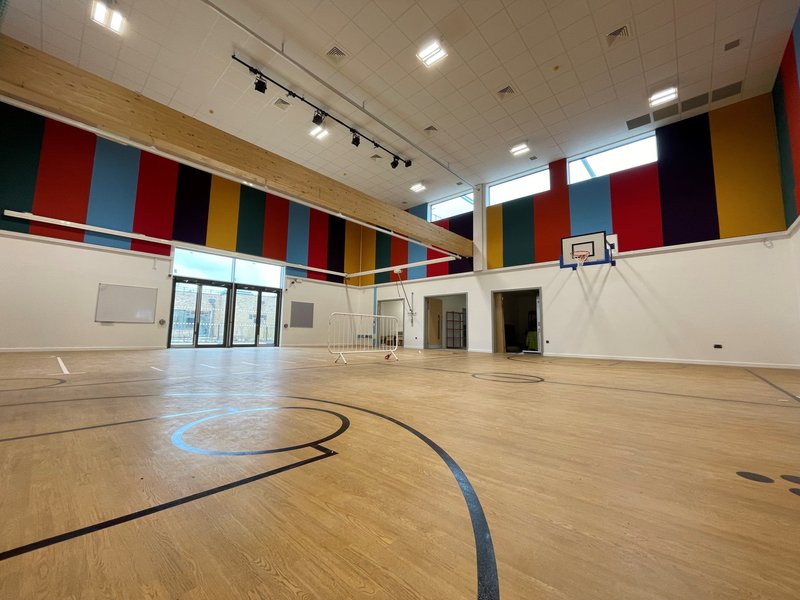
(35, 78)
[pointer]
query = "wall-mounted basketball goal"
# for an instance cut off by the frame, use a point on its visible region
(588, 249)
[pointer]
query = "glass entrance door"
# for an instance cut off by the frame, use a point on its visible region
(213, 312)
(245, 317)
(199, 314)
(184, 314)
(268, 319)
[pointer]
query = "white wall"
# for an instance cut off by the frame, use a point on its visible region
(48, 296)
(656, 305)
(393, 308)
(327, 298)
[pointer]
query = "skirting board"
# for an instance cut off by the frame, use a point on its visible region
(81, 349)
(684, 361)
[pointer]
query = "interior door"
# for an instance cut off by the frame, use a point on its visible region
(539, 322)
(499, 323)
(434, 327)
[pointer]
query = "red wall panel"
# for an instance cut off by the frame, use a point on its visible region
(64, 179)
(551, 215)
(155, 202)
(636, 208)
(441, 268)
(318, 243)
(276, 227)
(399, 257)
(791, 89)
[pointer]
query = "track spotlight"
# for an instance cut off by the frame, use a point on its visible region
(261, 86)
(319, 117)
(395, 162)
(407, 163)
(356, 138)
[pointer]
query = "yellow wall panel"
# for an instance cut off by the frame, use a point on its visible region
(746, 169)
(223, 214)
(352, 251)
(494, 237)
(367, 254)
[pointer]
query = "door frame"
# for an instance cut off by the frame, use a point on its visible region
(425, 321)
(260, 289)
(538, 307)
(200, 283)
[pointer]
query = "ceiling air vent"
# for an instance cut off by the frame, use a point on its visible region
(638, 122)
(732, 45)
(695, 102)
(726, 91)
(620, 34)
(506, 93)
(281, 104)
(376, 157)
(431, 130)
(663, 113)
(336, 55)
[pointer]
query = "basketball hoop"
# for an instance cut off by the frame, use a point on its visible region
(580, 256)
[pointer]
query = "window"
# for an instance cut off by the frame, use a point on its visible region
(445, 209)
(199, 265)
(634, 154)
(535, 183)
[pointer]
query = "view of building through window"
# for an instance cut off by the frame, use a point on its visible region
(634, 154)
(444, 209)
(535, 183)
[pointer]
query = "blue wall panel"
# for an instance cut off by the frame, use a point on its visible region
(590, 206)
(112, 197)
(297, 240)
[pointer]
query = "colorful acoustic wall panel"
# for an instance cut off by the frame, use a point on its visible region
(56, 170)
(786, 100)
(718, 176)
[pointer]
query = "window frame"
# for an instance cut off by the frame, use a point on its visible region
(597, 151)
(489, 186)
(448, 199)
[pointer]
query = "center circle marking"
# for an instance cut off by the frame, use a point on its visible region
(508, 377)
(177, 437)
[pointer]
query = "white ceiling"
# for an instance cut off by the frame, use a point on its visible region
(574, 92)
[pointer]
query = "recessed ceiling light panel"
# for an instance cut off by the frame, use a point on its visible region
(520, 149)
(663, 96)
(417, 188)
(108, 18)
(432, 53)
(318, 132)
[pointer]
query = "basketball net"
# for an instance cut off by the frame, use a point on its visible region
(580, 257)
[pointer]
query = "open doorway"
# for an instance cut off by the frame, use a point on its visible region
(446, 322)
(394, 308)
(518, 321)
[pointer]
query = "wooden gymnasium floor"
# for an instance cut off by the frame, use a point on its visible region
(443, 476)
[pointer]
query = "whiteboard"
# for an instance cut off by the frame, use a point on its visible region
(125, 304)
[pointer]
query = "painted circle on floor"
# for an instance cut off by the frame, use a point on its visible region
(16, 384)
(248, 427)
(508, 377)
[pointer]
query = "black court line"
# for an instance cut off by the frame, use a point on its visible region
(57, 380)
(79, 399)
(777, 387)
(70, 535)
(102, 425)
(672, 394)
(488, 584)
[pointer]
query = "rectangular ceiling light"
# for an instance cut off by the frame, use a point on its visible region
(431, 53)
(318, 132)
(520, 149)
(111, 19)
(663, 96)
(418, 187)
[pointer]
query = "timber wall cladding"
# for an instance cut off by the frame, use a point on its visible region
(59, 171)
(718, 176)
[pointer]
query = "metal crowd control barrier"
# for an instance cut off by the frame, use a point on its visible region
(351, 333)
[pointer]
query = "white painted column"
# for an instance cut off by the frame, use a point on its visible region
(479, 227)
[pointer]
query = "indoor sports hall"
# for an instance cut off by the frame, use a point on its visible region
(343, 299)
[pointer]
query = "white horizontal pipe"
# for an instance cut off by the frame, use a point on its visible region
(147, 238)
(421, 263)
